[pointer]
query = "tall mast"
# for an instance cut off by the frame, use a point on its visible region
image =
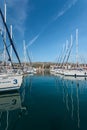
(4, 31)
(67, 48)
(71, 43)
(77, 47)
(11, 38)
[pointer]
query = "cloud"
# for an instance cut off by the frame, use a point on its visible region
(65, 8)
(33, 40)
(17, 11)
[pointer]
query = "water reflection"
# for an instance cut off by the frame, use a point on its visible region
(78, 117)
(70, 89)
(10, 107)
(25, 93)
(45, 102)
(72, 107)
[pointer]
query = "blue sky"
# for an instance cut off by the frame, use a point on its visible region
(45, 25)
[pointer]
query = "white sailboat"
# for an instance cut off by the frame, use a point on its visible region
(9, 80)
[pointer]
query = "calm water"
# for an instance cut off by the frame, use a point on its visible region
(45, 103)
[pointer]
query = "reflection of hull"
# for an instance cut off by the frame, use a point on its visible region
(10, 82)
(11, 109)
(10, 102)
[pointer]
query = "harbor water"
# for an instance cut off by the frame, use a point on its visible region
(45, 102)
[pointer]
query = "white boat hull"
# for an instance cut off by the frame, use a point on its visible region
(10, 82)
(75, 73)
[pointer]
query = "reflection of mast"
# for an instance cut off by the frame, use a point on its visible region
(78, 118)
(67, 106)
(72, 107)
(63, 92)
(66, 96)
(7, 121)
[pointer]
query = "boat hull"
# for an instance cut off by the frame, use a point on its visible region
(10, 82)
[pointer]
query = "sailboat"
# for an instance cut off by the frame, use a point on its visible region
(10, 80)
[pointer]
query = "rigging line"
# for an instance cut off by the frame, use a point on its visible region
(61, 56)
(7, 52)
(65, 55)
(70, 51)
(8, 45)
(69, 54)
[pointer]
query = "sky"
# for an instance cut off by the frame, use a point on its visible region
(45, 25)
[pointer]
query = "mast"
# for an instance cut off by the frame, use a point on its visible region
(11, 38)
(6, 49)
(77, 47)
(4, 32)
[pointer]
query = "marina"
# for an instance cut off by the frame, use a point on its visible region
(43, 65)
